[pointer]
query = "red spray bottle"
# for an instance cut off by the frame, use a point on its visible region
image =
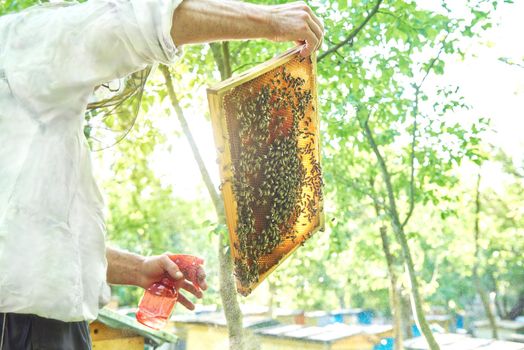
(160, 298)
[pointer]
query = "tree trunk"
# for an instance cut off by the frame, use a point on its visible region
(416, 300)
(394, 292)
(229, 297)
(486, 304)
(406, 316)
(498, 305)
(227, 287)
(230, 304)
(518, 309)
(342, 300)
(476, 278)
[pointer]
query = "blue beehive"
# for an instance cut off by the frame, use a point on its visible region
(365, 317)
(385, 344)
(459, 321)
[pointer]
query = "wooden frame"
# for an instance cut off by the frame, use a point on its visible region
(220, 130)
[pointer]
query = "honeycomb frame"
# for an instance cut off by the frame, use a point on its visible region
(217, 96)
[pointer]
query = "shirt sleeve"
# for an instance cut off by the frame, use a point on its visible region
(57, 49)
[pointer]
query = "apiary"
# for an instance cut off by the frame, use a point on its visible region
(266, 131)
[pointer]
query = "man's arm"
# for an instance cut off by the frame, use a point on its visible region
(132, 269)
(197, 21)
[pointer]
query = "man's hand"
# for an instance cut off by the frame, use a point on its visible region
(198, 21)
(155, 267)
(297, 22)
(132, 269)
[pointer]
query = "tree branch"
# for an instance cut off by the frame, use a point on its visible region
(476, 278)
(194, 148)
(216, 50)
(227, 284)
(511, 62)
(226, 61)
(382, 164)
(249, 64)
(414, 135)
(353, 34)
(476, 224)
(394, 295)
(418, 311)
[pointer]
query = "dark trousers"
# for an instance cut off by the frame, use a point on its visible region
(30, 332)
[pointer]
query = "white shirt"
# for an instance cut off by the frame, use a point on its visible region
(52, 250)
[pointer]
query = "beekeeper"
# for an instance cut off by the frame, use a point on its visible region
(54, 264)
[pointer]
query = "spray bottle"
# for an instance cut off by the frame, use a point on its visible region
(160, 298)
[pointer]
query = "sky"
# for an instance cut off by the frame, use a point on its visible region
(494, 89)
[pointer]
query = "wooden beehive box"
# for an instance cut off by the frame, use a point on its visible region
(266, 130)
(106, 338)
(113, 330)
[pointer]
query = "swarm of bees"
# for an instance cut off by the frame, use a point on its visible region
(269, 126)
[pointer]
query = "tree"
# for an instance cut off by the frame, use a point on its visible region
(379, 87)
(478, 284)
(396, 205)
(227, 283)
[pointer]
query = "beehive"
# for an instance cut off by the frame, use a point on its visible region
(266, 131)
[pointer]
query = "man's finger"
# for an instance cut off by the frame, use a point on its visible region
(184, 301)
(317, 20)
(311, 43)
(190, 288)
(318, 33)
(201, 278)
(171, 268)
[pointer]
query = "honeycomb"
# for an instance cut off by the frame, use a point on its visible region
(266, 131)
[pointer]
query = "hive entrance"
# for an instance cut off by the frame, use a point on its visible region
(266, 131)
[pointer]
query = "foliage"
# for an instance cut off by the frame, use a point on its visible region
(383, 74)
